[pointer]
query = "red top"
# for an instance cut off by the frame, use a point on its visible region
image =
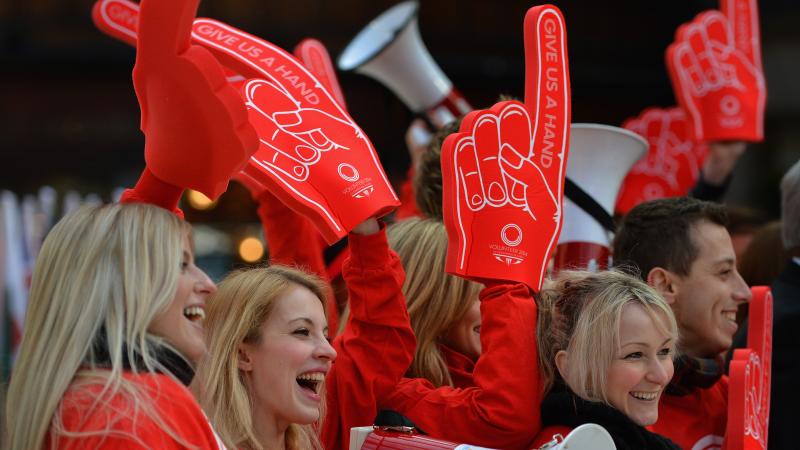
(501, 407)
(408, 198)
(696, 420)
(121, 423)
(377, 345)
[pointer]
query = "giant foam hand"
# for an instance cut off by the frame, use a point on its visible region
(503, 173)
(750, 375)
(312, 155)
(716, 73)
(197, 134)
(671, 166)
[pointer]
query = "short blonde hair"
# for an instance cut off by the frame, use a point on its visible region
(437, 301)
(581, 313)
(102, 269)
(235, 313)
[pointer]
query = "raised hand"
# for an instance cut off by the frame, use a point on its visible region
(671, 166)
(503, 173)
(715, 68)
(196, 130)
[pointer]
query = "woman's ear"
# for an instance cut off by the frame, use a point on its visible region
(664, 282)
(244, 362)
(561, 363)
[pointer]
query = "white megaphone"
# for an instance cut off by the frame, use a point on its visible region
(588, 436)
(390, 50)
(599, 158)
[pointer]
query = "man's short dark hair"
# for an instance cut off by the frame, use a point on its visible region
(658, 234)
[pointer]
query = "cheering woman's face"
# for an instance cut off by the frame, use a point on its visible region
(181, 324)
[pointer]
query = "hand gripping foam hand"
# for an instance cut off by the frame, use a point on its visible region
(503, 173)
(672, 164)
(196, 128)
(716, 73)
(363, 187)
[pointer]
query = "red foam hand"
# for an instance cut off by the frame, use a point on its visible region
(312, 155)
(313, 54)
(118, 19)
(671, 166)
(750, 373)
(196, 130)
(715, 68)
(503, 173)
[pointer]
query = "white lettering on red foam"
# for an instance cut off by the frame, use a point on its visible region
(304, 91)
(551, 86)
(120, 14)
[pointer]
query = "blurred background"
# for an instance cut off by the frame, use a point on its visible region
(69, 117)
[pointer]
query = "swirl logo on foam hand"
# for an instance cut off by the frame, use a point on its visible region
(515, 230)
(353, 172)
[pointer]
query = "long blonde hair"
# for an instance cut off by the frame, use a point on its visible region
(436, 301)
(581, 313)
(235, 313)
(111, 268)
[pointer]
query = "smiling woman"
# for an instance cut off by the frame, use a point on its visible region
(268, 356)
(607, 341)
(111, 334)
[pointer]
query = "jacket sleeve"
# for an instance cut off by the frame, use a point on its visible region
(150, 189)
(377, 345)
(502, 410)
(291, 238)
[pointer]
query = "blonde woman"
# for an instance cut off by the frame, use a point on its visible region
(606, 346)
(269, 376)
(474, 377)
(114, 324)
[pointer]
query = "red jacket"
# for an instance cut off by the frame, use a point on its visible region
(121, 424)
(501, 407)
(377, 345)
(697, 420)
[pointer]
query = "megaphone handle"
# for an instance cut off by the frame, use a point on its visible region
(450, 107)
(587, 203)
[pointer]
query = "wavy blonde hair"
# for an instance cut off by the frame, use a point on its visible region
(437, 301)
(580, 313)
(235, 313)
(111, 268)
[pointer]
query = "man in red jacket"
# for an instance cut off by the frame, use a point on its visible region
(680, 247)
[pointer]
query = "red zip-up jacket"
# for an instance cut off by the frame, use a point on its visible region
(697, 420)
(376, 347)
(119, 423)
(501, 407)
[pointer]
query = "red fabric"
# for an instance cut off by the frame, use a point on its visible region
(377, 345)
(128, 427)
(501, 409)
(149, 189)
(547, 434)
(691, 418)
(459, 366)
(197, 133)
(408, 199)
(293, 240)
